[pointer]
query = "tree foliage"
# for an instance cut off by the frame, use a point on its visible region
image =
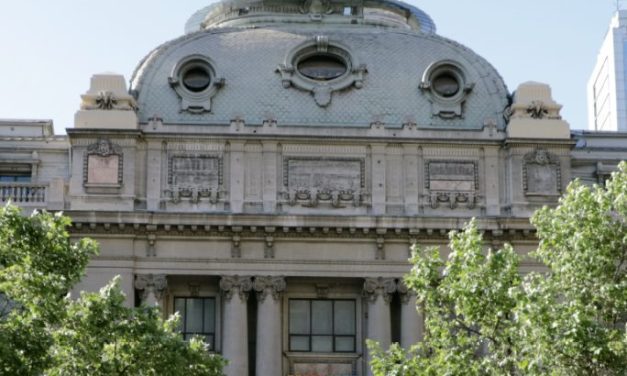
(45, 332)
(484, 318)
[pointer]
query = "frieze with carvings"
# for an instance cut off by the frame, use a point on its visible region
(195, 178)
(541, 173)
(103, 164)
(312, 181)
(452, 183)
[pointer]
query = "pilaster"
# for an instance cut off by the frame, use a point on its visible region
(378, 292)
(235, 290)
(269, 348)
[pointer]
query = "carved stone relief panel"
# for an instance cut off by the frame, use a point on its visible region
(394, 175)
(103, 164)
(195, 177)
(310, 181)
(452, 183)
(541, 173)
(253, 175)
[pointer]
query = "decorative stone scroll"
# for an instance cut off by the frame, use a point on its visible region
(195, 178)
(322, 91)
(452, 183)
(269, 285)
(404, 292)
(235, 284)
(541, 173)
(373, 287)
(311, 181)
(152, 287)
(103, 164)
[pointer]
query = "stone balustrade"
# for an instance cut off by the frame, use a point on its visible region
(23, 193)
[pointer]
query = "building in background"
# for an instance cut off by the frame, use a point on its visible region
(607, 86)
(267, 172)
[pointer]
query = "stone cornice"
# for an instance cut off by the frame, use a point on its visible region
(249, 226)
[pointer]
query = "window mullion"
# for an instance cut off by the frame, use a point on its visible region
(310, 325)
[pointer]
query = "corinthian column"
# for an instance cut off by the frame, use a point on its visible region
(152, 287)
(379, 292)
(412, 321)
(235, 291)
(269, 347)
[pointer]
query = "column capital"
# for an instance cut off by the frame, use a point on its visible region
(155, 284)
(238, 284)
(269, 285)
(373, 287)
(405, 292)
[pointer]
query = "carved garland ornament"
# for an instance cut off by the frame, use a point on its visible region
(322, 90)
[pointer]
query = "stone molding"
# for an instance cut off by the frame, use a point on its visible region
(265, 286)
(235, 284)
(156, 284)
(375, 287)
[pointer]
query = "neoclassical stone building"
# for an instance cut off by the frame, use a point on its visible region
(266, 173)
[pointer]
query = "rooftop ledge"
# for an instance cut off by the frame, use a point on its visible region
(246, 13)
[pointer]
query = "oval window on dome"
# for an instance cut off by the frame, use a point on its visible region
(446, 84)
(196, 79)
(322, 67)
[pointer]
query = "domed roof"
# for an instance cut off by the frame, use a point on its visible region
(310, 69)
(238, 12)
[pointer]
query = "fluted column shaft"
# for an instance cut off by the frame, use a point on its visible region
(269, 359)
(235, 291)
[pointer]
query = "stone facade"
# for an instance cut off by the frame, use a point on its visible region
(275, 211)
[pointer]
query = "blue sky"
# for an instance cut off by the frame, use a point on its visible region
(50, 49)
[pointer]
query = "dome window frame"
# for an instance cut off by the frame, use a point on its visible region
(442, 105)
(195, 101)
(322, 90)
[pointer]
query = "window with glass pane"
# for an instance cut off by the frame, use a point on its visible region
(322, 325)
(197, 318)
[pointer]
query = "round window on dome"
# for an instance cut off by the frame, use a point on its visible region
(196, 77)
(322, 67)
(446, 84)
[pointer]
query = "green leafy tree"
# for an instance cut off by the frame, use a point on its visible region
(44, 332)
(484, 318)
